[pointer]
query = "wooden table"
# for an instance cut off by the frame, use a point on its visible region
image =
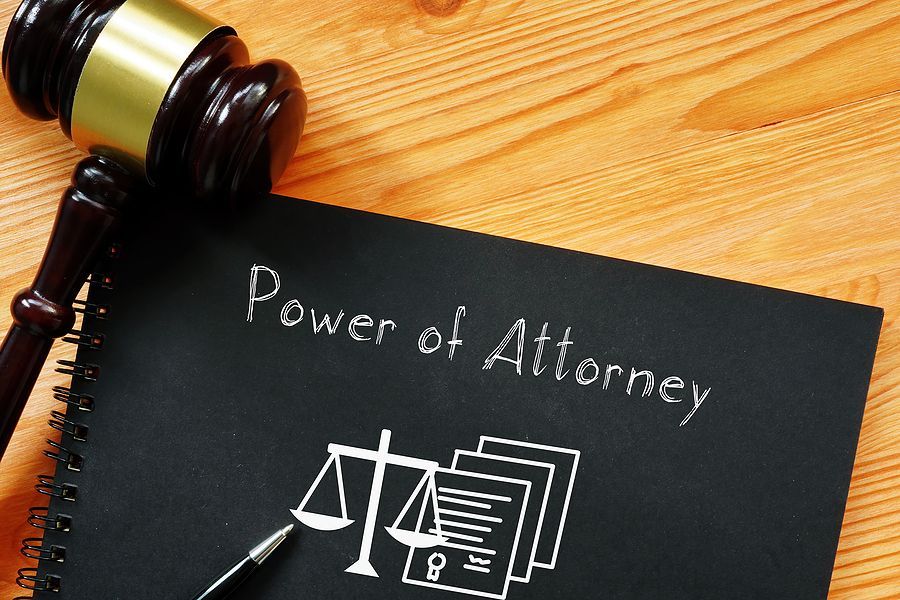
(757, 140)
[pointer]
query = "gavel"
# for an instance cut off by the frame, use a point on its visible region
(165, 101)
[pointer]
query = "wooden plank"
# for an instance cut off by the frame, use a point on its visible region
(751, 139)
(753, 206)
(578, 86)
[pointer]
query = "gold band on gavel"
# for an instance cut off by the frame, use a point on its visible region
(128, 72)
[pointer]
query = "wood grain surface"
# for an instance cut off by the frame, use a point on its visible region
(756, 140)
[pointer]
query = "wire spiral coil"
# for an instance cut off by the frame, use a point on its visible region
(30, 580)
(66, 450)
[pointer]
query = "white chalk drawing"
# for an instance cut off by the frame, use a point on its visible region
(566, 463)
(485, 522)
(482, 517)
(540, 475)
(381, 457)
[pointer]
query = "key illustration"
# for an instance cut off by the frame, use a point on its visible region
(436, 562)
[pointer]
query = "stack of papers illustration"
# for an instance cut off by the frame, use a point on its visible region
(495, 538)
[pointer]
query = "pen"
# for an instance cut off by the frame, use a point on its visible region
(232, 577)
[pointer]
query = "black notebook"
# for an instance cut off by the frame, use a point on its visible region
(443, 414)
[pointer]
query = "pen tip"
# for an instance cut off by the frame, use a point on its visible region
(288, 529)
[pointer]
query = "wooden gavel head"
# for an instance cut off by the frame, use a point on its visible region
(164, 90)
(156, 92)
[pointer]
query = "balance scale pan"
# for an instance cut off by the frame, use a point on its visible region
(415, 539)
(321, 522)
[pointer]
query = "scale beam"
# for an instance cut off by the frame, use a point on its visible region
(388, 458)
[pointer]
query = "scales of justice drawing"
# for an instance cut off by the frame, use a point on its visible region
(494, 522)
(381, 457)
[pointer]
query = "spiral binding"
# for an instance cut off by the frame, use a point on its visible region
(98, 311)
(30, 580)
(40, 517)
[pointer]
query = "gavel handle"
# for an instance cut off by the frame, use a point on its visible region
(89, 211)
(21, 358)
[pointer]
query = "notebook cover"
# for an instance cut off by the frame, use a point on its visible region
(726, 477)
